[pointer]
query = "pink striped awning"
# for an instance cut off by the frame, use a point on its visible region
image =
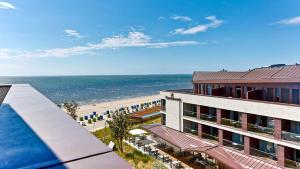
(188, 142)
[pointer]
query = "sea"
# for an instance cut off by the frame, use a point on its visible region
(96, 89)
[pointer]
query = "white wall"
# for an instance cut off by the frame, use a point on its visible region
(173, 114)
(289, 112)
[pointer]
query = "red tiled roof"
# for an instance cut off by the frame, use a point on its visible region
(282, 74)
(188, 142)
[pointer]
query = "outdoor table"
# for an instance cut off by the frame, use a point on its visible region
(175, 164)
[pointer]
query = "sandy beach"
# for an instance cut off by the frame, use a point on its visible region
(100, 108)
(112, 105)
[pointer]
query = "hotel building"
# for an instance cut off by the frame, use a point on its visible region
(255, 113)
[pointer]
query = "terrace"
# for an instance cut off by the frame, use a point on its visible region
(37, 138)
(199, 153)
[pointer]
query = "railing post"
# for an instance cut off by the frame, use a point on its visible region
(220, 134)
(199, 130)
(280, 155)
(219, 116)
(277, 128)
(244, 120)
(198, 111)
(247, 145)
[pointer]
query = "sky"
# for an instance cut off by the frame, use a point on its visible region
(117, 37)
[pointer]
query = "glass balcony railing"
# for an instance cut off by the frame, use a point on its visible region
(234, 145)
(208, 117)
(190, 130)
(233, 123)
(291, 163)
(210, 137)
(189, 113)
(260, 153)
(290, 136)
(260, 129)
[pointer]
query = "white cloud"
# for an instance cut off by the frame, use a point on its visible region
(181, 18)
(72, 33)
(133, 39)
(290, 21)
(214, 23)
(6, 5)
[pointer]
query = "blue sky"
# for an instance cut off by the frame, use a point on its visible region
(106, 37)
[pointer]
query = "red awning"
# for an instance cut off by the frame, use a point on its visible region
(188, 142)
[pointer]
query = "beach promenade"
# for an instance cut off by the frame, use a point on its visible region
(101, 108)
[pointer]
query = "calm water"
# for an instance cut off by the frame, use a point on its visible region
(91, 89)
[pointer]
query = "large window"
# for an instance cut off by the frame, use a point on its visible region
(295, 96)
(285, 93)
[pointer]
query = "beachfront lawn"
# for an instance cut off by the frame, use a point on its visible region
(133, 156)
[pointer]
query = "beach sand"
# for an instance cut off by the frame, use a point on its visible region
(100, 108)
(112, 105)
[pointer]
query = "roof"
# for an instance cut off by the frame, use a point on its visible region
(280, 74)
(35, 133)
(188, 142)
(146, 113)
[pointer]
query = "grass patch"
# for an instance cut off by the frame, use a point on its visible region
(136, 158)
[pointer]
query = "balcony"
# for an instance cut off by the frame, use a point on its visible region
(208, 117)
(189, 113)
(260, 129)
(262, 154)
(291, 163)
(290, 136)
(233, 145)
(210, 137)
(190, 130)
(233, 123)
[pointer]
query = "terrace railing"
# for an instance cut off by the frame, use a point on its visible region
(232, 144)
(233, 123)
(260, 129)
(290, 136)
(264, 154)
(208, 136)
(208, 117)
(189, 113)
(190, 130)
(291, 163)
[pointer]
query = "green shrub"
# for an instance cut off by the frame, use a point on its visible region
(158, 165)
(94, 119)
(81, 118)
(89, 121)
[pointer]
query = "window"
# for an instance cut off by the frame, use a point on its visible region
(295, 96)
(163, 119)
(269, 94)
(277, 94)
(285, 93)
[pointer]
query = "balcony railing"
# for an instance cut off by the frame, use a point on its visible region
(260, 129)
(291, 163)
(264, 154)
(234, 145)
(190, 130)
(233, 123)
(291, 136)
(163, 108)
(208, 117)
(208, 136)
(189, 113)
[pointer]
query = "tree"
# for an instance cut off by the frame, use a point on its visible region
(72, 108)
(119, 126)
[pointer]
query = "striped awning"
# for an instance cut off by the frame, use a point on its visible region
(188, 142)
